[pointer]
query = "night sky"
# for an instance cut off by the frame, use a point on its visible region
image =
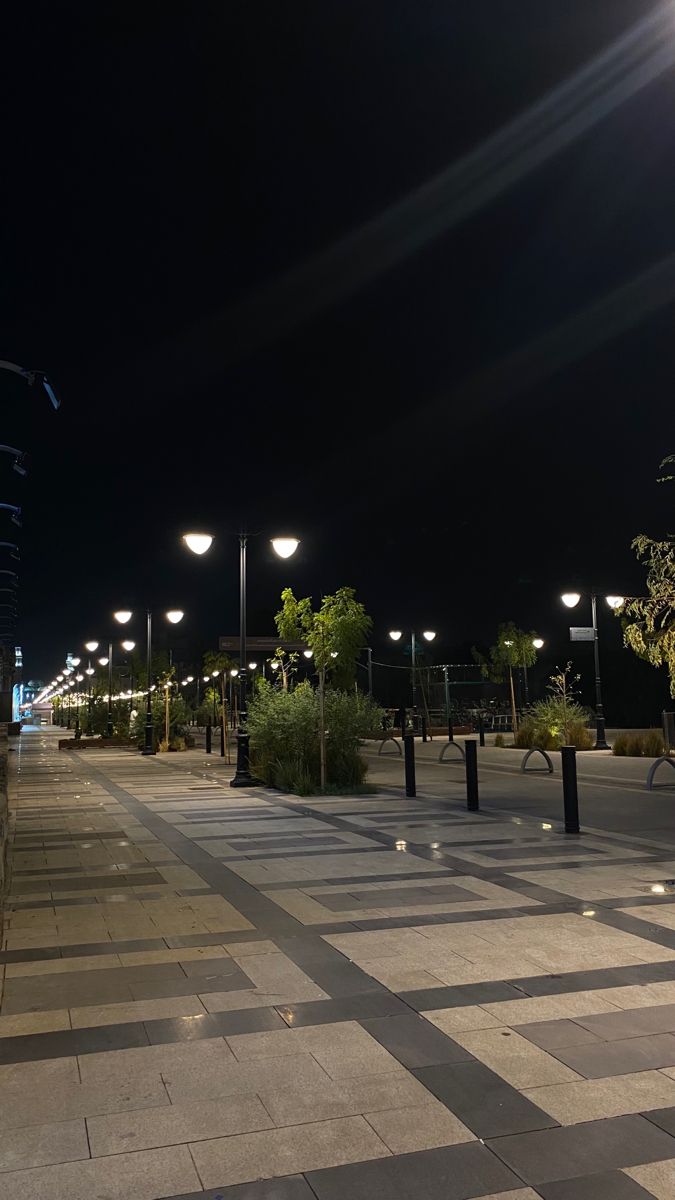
(452, 433)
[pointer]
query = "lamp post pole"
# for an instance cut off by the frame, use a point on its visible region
(600, 734)
(109, 723)
(242, 775)
(149, 747)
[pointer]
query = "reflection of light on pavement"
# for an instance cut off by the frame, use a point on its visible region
(658, 888)
(588, 912)
(401, 845)
(546, 825)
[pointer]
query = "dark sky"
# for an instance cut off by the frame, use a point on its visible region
(166, 164)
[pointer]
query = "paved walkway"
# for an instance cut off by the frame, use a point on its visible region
(215, 993)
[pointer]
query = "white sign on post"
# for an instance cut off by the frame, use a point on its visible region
(582, 633)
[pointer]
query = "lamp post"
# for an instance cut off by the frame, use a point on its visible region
(570, 600)
(538, 644)
(284, 547)
(428, 635)
(124, 615)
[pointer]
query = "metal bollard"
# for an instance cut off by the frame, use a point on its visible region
(568, 756)
(471, 763)
(402, 717)
(451, 730)
(424, 729)
(481, 730)
(409, 755)
(222, 739)
(208, 738)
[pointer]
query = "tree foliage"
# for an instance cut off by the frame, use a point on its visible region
(649, 621)
(335, 633)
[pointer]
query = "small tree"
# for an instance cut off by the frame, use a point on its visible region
(334, 633)
(649, 621)
(513, 648)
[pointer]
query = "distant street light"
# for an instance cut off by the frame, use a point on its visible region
(570, 600)
(284, 547)
(124, 615)
(428, 635)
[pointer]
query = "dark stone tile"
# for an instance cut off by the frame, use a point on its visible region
(579, 1150)
(488, 1105)
(414, 1042)
(34, 954)
(451, 1173)
(209, 1025)
(195, 985)
(349, 1008)
(180, 941)
(290, 1187)
(454, 997)
(552, 1034)
(620, 1057)
(66, 1042)
(609, 1185)
(128, 947)
(308, 949)
(663, 1117)
(631, 1023)
(582, 981)
(562, 850)
(342, 978)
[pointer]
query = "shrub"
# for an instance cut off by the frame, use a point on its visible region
(579, 735)
(639, 745)
(284, 731)
(499, 740)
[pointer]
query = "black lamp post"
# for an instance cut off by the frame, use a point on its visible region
(428, 635)
(199, 543)
(570, 600)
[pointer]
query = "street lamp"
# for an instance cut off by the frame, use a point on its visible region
(284, 547)
(124, 615)
(570, 600)
(428, 635)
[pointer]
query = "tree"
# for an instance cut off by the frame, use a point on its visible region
(649, 621)
(335, 633)
(513, 648)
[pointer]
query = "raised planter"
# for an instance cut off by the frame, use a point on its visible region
(95, 743)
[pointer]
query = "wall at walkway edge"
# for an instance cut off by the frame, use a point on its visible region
(4, 821)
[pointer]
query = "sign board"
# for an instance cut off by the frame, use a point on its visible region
(258, 643)
(582, 633)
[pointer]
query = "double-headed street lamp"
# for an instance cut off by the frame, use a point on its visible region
(570, 600)
(284, 547)
(124, 615)
(106, 660)
(428, 635)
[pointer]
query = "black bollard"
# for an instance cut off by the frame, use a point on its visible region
(222, 739)
(402, 718)
(424, 729)
(568, 755)
(451, 730)
(409, 755)
(471, 763)
(208, 738)
(481, 730)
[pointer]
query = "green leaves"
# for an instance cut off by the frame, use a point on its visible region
(336, 633)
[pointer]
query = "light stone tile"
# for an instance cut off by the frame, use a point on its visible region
(39, 1074)
(657, 1178)
(39, 1022)
(191, 1121)
(147, 1175)
(297, 1105)
(344, 1050)
(405, 1130)
(61, 966)
(135, 1010)
(642, 995)
(151, 1062)
(289, 1151)
(518, 1061)
(275, 973)
(143, 958)
(551, 1008)
(243, 949)
(204, 1082)
(41, 1145)
(461, 1020)
(32, 1106)
(519, 1194)
(594, 1099)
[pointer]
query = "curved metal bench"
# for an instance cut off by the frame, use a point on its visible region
(536, 750)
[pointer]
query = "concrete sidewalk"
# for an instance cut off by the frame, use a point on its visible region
(211, 992)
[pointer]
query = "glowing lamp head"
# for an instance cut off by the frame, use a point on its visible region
(174, 615)
(79, 678)
(308, 653)
(92, 647)
(428, 635)
(206, 678)
(234, 672)
(198, 543)
(252, 666)
(90, 671)
(60, 678)
(76, 661)
(275, 664)
(615, 601)
(538, 643)
(104, 660)
(395, 635)
(570, 599)
(190, 679)
(128, 645)
(215, 674)
(285, 546)
(123, 615)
